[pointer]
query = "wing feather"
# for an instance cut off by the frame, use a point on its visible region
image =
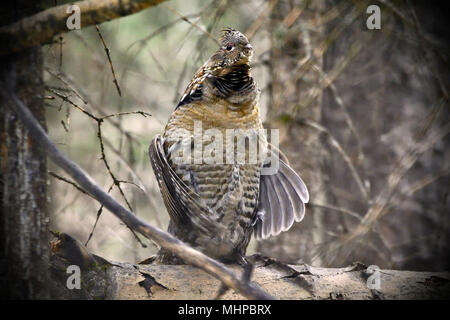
(282, 201)
(183, 204)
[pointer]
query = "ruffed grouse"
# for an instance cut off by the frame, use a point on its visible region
(218, 196)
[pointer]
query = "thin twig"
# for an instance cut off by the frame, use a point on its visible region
(64, 126)
(185, 18)
(66, 98)
(143, 42)
(344, 109)
(142, 113)
(99, 121)
(57, 176)
(330, 207)
(66, 78)
(99, 213)
(259, 21)
(60, 77)
(61, 42)
(341, 151)
(422, 183)
(108, 54)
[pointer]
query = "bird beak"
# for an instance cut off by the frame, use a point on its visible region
(248, 50)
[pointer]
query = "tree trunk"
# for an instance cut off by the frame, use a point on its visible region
(294, 96)
(24, 254)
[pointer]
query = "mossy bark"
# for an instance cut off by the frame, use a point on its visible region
(24, 250)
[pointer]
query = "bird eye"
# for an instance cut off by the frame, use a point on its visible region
(229, 48)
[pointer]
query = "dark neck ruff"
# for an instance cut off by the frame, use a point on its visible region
(237, 81)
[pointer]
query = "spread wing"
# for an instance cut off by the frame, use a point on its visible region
(183, 204)
(282, 198)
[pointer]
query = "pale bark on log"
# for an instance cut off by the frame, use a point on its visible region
(103, 280)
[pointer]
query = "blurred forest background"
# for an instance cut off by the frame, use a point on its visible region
(363, 116)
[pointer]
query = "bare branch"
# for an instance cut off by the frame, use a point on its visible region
(165, 240)
(108, 55)
(57, 176)
(41, 27)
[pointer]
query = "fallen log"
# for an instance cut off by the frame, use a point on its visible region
(102, 279)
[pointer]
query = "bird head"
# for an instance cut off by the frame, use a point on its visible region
(234, 49)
